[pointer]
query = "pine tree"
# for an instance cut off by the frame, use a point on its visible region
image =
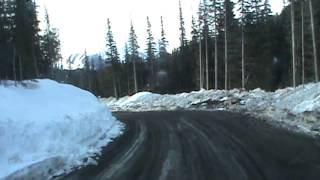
(204, 17)
(196, 39)
(183, 40)
(244, 9)
(302, 43)
(134, 54)
(150, 51)
(113, 57)
(163, 43)
(226, 44)
(217, 15)
(315, 58)
(293, 44)
(50, 48)
(256, 11)
(127, 66)
(6, 41)
(266, 12)
(26, 38)
(86, 81)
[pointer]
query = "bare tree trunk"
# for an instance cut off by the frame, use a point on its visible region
(200, 61)
(135, 76)
(14, 63)
(35, 63)
(315, 58)
(51, 70)
(152, 75)
(215, 62)
(242, 54)
(128, 78)
(302, 42)
(128, 86)
(20, 68)
(225, 49)
(207, 63)
(215, 47)
(114, 84)
(293, 45)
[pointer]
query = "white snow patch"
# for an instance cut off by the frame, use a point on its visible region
(49, 128)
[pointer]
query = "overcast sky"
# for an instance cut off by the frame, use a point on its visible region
(82, 23)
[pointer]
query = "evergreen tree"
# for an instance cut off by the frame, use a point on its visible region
(302, 42)
(163, 43)
(183, 40)
(50, 48)
(226, 44)
(243, 9)
(6, 43)
(314, 44)
(163, 55)
(150, 51)
(256, 11)
(86, 80)
(196, 39)
(293, 44)
(127, 68)
(26, 38)
(217, 15)
(113, 57)
(204, 17)
(134, 54)
(266, 12)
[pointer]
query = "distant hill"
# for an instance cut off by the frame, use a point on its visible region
(96, 61)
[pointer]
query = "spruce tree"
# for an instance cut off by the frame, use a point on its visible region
(216, 9)
(183, 40)
(314, 44)
(293, 47)
(243, 9)
(50, 48)
(163, 43)
(26, 38)
(196, 39)
(204, 17)
(134, 54)
(150, 51)
(226, 44)
(113, 57)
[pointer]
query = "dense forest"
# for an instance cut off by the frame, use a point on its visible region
(233, 44)
(24, 53)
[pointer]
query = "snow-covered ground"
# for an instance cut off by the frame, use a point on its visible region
(297, 107)
(47, 129)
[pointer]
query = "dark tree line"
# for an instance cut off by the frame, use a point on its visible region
(233, 44)
(24, 53)
(250, 50)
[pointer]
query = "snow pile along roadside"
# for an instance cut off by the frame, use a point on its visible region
(47, 129)
(298, 107)
(211, 99)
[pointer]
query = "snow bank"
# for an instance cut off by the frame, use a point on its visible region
(299, 100)
(296, 106)
(217, 99)
(50, 127)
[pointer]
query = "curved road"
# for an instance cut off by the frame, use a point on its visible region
(204, 146)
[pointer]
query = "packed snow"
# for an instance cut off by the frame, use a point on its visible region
(47, 129)
(297, 107)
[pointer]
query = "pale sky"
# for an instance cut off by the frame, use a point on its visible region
(82, 23)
